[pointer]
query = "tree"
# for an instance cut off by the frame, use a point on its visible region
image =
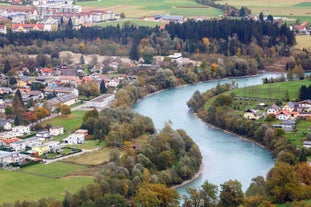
(7, 67)
(282, 184)
(134, 51)
(82, 61)
(261, 17)
(231, 194)
(65, 110)
(18, 106)
(102, 87)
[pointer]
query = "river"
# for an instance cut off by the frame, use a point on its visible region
(225, 156)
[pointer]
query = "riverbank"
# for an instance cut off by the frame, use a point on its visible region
(196, 176)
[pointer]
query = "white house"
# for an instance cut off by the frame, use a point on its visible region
(74, 139)
(5, 125)
(43, 135)
(7, 158)
(56, 130)
(21, 130)
(273, 109)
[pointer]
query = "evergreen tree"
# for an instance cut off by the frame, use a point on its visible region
(134, 51)
(102, 87)
(7, 67)
(302, 156)
(18, 106)
(82, 61)
(261, 17)
(69, 24)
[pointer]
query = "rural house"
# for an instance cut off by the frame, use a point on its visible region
(251, 114)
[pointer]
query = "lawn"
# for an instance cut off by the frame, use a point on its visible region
(139, 8)
(53, 170)
(22, 186)
(70, 122)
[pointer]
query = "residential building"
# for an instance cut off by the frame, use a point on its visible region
(74, 139)
(41, 149)
(273, 109)
(251, 114)
(6, 125)
(56, 130)
(43, 135)
(6, 158)
(21, 130)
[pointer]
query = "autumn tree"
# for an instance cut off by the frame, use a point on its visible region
(65, 110)
(231, 194)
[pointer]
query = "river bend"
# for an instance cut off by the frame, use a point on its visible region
(225, 156)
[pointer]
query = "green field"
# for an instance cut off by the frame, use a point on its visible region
(53, 170)
(135, 22)
(275, 90)
(140, 9)
(70, 122)
(22, 186)
(277, 8)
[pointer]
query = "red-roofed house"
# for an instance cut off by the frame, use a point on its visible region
(47, 71)
(7, 142)
(27, 27)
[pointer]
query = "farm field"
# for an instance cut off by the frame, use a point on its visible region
(291, 10)
(22, 186)
(303, 41)
(278, 8)
(140, 9)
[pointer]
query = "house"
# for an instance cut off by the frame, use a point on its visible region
(6, 142)
(84, 132)
(2, 108)
(60, 91)
(6, 125)
(273, 109)
(290, 106)
(43, 135)
(21, 130)
(68, 100)
(74, 139)
(288, 125)
(18, 146)
(6, 158)
(27, 27)
(286, 115)
(41, 149)
(304, 106)
(56, 130)
(47, 71)
(54, 146)
(101, 101)
(251, 114)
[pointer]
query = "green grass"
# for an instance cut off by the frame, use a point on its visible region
(306, 202)
(303, 4)
(22, 186)
(139, 8)
(135, 22)
(88, 144)
(298, 137)
(70, 122)
(274, 90)
(53, 170)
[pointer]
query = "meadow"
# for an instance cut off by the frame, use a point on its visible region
(140, 9)
(291, 10)
(21, 186)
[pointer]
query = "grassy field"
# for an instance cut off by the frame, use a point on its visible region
(135, 22)
(53, 170)
(277, 8)
(22, 186)
(291, 10)
(275, 90)
(303, 41)
(139, 9)
(71, 122)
